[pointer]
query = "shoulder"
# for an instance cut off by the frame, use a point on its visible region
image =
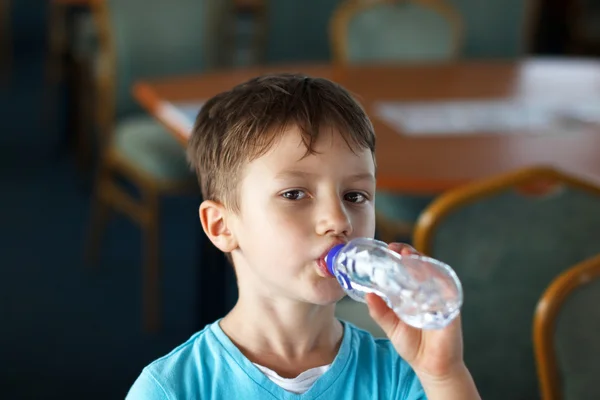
(178, 372)
(146, 386)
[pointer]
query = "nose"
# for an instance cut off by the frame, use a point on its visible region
(333, 218)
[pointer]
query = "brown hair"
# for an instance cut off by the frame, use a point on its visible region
(240, 125)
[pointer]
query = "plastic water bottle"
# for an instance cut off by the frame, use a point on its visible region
(423, 292)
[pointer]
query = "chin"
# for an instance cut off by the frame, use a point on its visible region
(331, 294)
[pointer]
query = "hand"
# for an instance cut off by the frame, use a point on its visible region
(433, 354)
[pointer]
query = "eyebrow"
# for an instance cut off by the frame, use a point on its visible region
(363, 176)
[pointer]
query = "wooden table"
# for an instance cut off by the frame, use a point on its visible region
(408, 163)
(238, 4)
(85, 3)
(426, 164)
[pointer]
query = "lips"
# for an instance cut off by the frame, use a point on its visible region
(322, 264)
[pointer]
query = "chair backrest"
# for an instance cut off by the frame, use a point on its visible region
(151, 39)
(296, 31)
(566, 333)
(507, 237)
(497, 28)
(388, 30)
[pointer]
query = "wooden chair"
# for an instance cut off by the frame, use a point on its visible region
(72, 48)
(291, 31)
(566, 333)
(391, 30)
(497, 29)
(395, 31)
(6, 40)
(508, 237)
(396, 214)
(143, 39)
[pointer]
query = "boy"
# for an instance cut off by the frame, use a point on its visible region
(287, 170)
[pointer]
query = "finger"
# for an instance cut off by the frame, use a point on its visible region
(455, 327)
(382, 314)
(403, 249)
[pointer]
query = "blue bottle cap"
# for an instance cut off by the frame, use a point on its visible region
(329, 259)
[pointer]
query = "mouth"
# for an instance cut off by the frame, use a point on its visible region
(322, 264)
(322, 268)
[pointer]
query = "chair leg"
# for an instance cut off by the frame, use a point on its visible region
(100, 214)
(57, 42)
(151, 263)
(6, 42)
(82, 91)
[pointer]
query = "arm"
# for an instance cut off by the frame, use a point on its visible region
(436, 356)
(458, 386)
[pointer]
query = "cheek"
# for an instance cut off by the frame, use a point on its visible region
(276, 223)
(288, 222)
(274, 240)
(363, 223)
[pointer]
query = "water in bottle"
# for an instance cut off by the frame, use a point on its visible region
(423, 292)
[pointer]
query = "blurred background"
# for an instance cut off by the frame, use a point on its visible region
(103, 264)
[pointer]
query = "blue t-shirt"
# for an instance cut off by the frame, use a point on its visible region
(210, 366)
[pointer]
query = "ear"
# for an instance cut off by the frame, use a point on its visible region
(213, 217)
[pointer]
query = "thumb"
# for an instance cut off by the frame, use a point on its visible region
(385, 317)
(404, 337)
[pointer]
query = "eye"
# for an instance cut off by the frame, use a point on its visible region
(294, 194)
(355, 197)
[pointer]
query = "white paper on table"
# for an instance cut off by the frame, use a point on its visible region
(490, 116)
(181, 114)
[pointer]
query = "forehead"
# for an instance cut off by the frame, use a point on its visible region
(329, 150)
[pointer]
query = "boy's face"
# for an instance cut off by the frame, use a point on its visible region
(294, 208)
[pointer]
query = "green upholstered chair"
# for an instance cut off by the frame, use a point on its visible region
(497, 29)
(566, 331)
(295, 31)
(144, 39)
(396, 214)
(508, 237)
(395, 31)
(388, 31)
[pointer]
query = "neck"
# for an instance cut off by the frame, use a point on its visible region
(285, 336)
